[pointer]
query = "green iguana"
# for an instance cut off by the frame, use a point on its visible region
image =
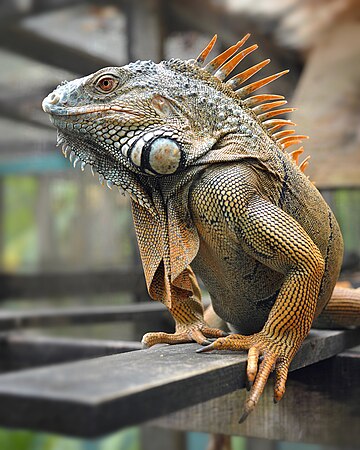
(213, 190)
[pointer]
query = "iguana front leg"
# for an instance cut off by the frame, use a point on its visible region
(278, 241)
(188, 314)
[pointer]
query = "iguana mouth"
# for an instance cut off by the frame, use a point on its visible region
(82, 110)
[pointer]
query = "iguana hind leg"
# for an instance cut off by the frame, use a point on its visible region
(189, 320)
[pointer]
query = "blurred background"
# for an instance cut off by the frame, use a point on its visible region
(67, 241)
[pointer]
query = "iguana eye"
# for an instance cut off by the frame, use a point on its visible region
(106, 83)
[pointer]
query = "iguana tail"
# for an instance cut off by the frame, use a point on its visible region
(342, 311)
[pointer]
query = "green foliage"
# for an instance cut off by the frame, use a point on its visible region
(347, 211)
(27, 440)
(20, 237)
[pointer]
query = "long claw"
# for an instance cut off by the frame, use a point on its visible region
(244, 415)
(208, 348)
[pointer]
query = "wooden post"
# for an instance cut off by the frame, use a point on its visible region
(2, 227)
(145, 41)
(144, 30)
(329, 112)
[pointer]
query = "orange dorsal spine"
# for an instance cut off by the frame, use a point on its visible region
(263, 105)
(204, 54)
(214, 64)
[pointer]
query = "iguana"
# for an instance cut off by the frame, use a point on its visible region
(213, 191)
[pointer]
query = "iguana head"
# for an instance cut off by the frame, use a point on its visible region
(152, 120)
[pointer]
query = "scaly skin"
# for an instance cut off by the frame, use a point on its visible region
(212, 189)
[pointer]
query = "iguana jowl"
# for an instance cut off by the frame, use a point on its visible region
(212, 189)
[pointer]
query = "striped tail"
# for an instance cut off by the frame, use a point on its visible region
(342, 311)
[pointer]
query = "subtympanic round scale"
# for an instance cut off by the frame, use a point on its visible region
(164, 156)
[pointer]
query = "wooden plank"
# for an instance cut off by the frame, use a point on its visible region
(23, 106)
(10, 320)
(21, 97)
(11, 10)
(92, 34)
(59, 284)
(320, 407)
(28, 43)
(98, 396)
(20, 351)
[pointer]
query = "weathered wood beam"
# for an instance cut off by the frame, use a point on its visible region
(320, 407)
(20, 351)
(98, 396)
(36, 46)
(75, 283)
(81, 315)
(25, 106)
(11, 10)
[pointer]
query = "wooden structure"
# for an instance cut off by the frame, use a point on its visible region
(88, 387)
(103, 394)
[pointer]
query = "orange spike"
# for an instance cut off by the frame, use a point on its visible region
(266, 106)
(227, 68)
(257, 99)
(284, 133)
(213, 65)
(274, 122)
(243, 92)
(300, 137)
(304, 164)
(272, 130)
(236, 81)
(290, 143)
(296, 153)
(204, 54)
(270, 114)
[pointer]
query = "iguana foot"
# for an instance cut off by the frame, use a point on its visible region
(276, 355)
(190, 333)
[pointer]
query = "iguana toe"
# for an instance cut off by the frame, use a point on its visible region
(273, 356)
(191, 333)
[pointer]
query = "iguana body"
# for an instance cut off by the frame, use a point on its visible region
(213, 190)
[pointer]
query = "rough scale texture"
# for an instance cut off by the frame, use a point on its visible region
(213, 190)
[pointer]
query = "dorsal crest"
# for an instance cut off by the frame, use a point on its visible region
(263, 105)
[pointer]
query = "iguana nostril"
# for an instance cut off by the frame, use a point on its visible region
(54, 98)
